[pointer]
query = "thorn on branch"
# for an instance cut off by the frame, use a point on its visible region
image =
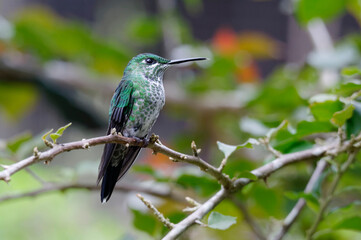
(113, 131)
(222, 165)
(36, 153)
(196, 151)
(172, 159)
(86, 145)
(194, 203)
(266, 142)
(4, 166)
(199, 222)
(155, 211)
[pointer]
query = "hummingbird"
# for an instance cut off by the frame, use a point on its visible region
(134, 108)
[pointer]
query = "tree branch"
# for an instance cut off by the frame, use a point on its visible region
(261, 172)
(228, 186)
(205, 208)
(52, 187)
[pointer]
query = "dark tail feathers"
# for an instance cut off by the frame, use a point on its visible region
(110, 178)
(124, 156)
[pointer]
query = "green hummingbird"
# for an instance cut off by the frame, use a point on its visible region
(134, 108)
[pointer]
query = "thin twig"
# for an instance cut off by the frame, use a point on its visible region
(205, 208)
(296, 210)
(156, 212)
(266, 142)
(325, 201)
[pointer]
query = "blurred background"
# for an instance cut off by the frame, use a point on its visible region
(60, 62)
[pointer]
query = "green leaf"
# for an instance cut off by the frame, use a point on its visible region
(58, 133)
(305, 128)
(347, 88)
(14, 144)
(220, 221)
(249, 144)
(307, 10)
(47, 134)
(323, 111)
(248, 175)
(339, 118)
(234, 168)
(350, 71)
(352, 223)
(339, 214)
(353, 126)
(311, 201)
(144, 222)
(226, 149)
(229, 149)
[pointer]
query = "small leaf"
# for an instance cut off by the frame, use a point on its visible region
(226, 149)
(353, 126)
(305, 128)
(352, 223)
(59, 132)
(248, 175)
(229, 149)
(249, 144)
(350, 71)
(62, 129)
(347, 88)
(323, 111)
(46, 134)
(339, 118)
(220, 221)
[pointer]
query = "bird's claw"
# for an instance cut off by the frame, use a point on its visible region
(143, 142)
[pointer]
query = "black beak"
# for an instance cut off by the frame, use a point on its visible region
(186, 60)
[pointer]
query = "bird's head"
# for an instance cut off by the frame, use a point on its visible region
(153, 66)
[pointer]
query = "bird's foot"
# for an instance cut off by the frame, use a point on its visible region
(143, 142)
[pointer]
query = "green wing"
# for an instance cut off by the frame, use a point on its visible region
(120, 109)
(121, 105)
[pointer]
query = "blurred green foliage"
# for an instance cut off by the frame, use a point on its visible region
(49, 37)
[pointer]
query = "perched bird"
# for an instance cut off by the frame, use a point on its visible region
(134, 108)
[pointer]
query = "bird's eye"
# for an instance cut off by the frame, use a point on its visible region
(150, 60)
